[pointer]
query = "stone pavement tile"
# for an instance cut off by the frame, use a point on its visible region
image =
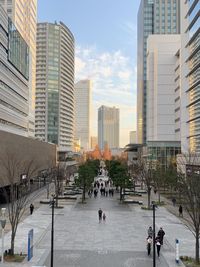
(101, 258)
(40, 221)
(123, 235)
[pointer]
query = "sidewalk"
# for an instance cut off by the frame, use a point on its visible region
(121, 241)
(40, 222)
(167, 216)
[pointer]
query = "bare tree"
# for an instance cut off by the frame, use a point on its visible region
(17, 173)
(189, 186)
(144, 168)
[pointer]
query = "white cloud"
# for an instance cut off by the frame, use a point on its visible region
(79, 64)
(125, 74)
(114, 83)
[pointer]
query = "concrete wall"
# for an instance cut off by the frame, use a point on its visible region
(20, 150)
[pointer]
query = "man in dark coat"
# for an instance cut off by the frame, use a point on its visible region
(100, 214)
(161, 234)
(31, 209)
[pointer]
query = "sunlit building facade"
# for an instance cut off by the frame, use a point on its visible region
(154, 17)
(23, 13)
(83, 98)
(190, 76)
(54, 109)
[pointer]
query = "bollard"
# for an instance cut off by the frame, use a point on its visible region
(177, 251)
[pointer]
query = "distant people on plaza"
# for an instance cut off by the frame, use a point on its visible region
(160, 235)
(106, 193)
(104, 217)
(158, 245)
(95, 192)
(31, 208)
(180, 211)
(174, 201)
(100, 212)
(149, 242)
(90, 193)
(150, 232)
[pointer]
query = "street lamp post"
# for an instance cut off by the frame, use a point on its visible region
(154, 237)
(3, 224)
(52, 229)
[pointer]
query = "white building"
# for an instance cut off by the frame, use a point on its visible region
(82, 96)
(108, 127)
(161, 59)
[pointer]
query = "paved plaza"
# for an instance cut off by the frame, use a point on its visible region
(80, 240)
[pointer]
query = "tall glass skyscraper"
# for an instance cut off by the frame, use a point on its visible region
(108, 127)
(154, 17)
(54, 109)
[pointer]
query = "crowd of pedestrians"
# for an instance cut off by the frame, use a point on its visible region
(158, 240)
(102, 188)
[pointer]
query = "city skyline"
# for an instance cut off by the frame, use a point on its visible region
(105, 53)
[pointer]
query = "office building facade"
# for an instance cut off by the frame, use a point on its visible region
(23, 13)
(190, 76)
(54, 108)
(154, 17)
(108, 127)
(161, 102)
(14, 78)
(82, 96)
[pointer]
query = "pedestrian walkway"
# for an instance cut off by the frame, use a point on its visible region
(80, 240)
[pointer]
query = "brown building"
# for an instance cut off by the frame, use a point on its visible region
(21, 155)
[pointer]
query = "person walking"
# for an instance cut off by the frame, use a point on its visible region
(161, 234)
(31, 209)
(100, 214)
(174, 201)
(149, 242)
(104, 217)
(180, 211)
(158, 245)
(150, 232)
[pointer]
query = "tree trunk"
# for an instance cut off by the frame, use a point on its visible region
(197, 247)
(149, 196)
(120, 193)
(83, 195)
(158, 197)
(12, 248)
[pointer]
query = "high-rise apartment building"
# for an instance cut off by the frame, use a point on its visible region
(54, 108)
(14, 78)
(23, 13)
(154, 16)
(108, 127)
(82, 96)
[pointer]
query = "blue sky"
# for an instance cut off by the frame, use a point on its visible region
(105, 34)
